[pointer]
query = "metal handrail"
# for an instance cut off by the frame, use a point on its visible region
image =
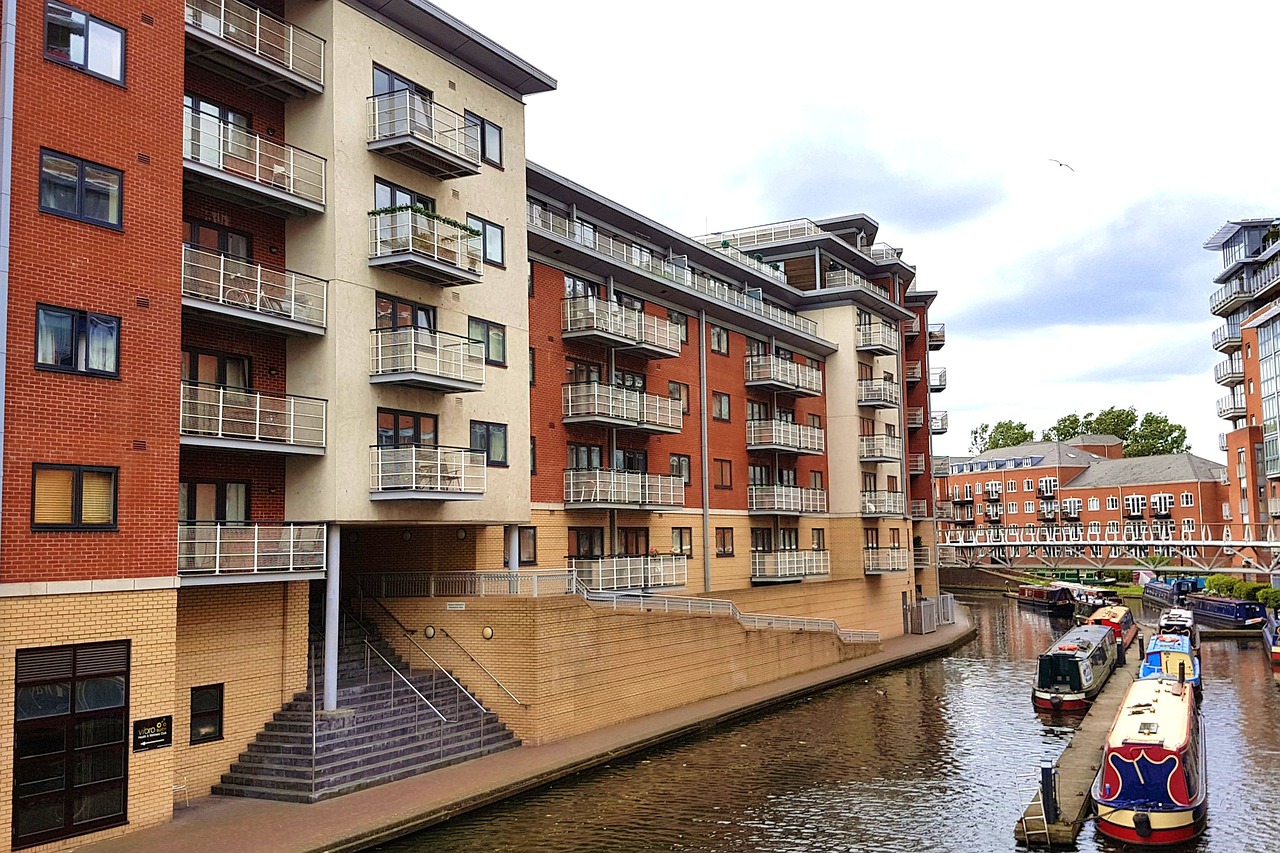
(252, 414)
(482, 666)
(369, 648)
(238, 151)
(239, 283)
(245, 26)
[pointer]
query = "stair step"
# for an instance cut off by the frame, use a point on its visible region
(328, 765)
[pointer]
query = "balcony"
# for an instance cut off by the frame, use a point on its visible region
(242, 552)
(631, 572)
(938, 423)
(606, 488)
(912, 372)
(788, 565)
(1227, 338)
(610, 406)
(254, 49)
(785, 437)
(938, 379)
(417, 244)
(849, 278)
(883, 503)
(962, 516)
(1049, 512)
(1222, 442)
(607, 324)
(965, 497)
(1273, 507)
(919, 509)
(943, 510)
(916, 463)
(238, 290)
(413, 129)
(1231, 407)
(1230, 372)
(879, 448)
(785, 500)
(911, 327)
(915, 417)
(879, 394)
(1047, 492)
(881, 252)
(877, 338)
(992, 495)
(1071, 510)
(229, 162)
(994, 513)
(1230, 296)
(922, 557)
(937, 336)
(771, 373)
(883, 561)
(245, 419)
(427, 472)
(423, 358)
(941, 466)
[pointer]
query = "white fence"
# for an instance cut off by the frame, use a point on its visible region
(413, 350)
(423, 468)
(237, 548)
(610, 486)
(790, 564)
(786, 434)
(786, 499)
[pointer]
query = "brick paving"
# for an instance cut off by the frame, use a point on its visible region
(360, 820)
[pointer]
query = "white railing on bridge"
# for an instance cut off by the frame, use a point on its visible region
(605, 573)
(790, 564)
(239, 548)
(406, 113)
(786, 499)
(237, 151)
(770, 368)
(245, 414)
(236, 283)
(414, 350)
(786, 434)
(427, 468)
(262, 34)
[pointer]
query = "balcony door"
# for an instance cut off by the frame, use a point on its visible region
(219, 137)
(213, 501)
(204, 368)
(410, 112)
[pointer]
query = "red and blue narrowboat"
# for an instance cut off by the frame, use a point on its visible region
(1218, 611)
(1271, 634)
(1119, 619)
(1054, 600)
(1074, 669)
(1152, 787)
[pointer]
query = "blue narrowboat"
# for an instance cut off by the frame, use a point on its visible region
(1173, 591)
(1170, 655)
(1218, 611)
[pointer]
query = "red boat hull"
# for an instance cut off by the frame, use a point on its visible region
(1157, 836)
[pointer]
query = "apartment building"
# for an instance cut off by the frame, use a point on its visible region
(1030, 504)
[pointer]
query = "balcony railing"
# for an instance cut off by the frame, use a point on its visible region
(783, 374)
(789, 499)
(427, 358)
(243, 548)
(1229, 372)
(878, 561)
(1231, 406)
(919, 509)
(937, 378)
(911, 325)
(881, 252)
(1227, 338)
(789, 564)
(773, 270)
(272, 167)
(922, 557)
(1273, 507)
(607, 323)
(880, 393)
(264, 36)
(785, 436)
(917, 463)
(872, 447)
(242, 286)
(1222, 442)
(878, 337)
(414, 128)
(849, 278)
(883, 503)
(941, 466)
(915, 417)
(585, 402)
(422, 246)
(939, 422)
(1231, 294)
(631, 572)
(911, 371)
(611, 487)
(427, 471)
(219, 414)
(943, 510)
(774, 232)
(937, 335)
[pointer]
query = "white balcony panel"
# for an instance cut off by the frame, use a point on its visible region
(424, 358)
(879, 448)
(254, 48)
(780, 565)
(785, 436)
(883, 503)
(421, 472)
(420, 246)
(242, 418)
(602, 573)
(606, 487)
(790, 500)
(939, 422)
(609, 405)
(771, 372)
(879, 561)
(878, 338)
(245, 552)
(937, 335)
(879, 394)
(235, 288)
(412, 128)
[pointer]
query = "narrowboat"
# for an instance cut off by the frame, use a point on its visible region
(1271, 634)
(1054, 600)
(1074, 669)
(1119, 619)
(1179, 620)
(1152, 786)
(1170, 655)
(1090, 598)
(1218, 611)
(1173, 591)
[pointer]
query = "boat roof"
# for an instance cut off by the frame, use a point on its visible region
(1110, 613)
(1169, 643)
(1177, 614)
(1080, 587)
(1156, 711)
(1085, 638)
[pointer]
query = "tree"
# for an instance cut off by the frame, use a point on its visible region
(1068, 426)
(1156, 436)
(1113, 421)
(1002, 434)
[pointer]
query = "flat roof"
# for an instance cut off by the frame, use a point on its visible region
(1219, 238)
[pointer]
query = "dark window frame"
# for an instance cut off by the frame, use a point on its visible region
(684, 469)
(77, 497)
(681, 319)
(80, 320)
(718, 332)
(489, 328)
(79, 215)
(484, 126)
(520, 534)
(685, 535)
(724, 541)
(726, 469)
(220, 498)
(490, 428)
(716, 397)
(427, 312)
(594, 540)
(415, 198)
(395, 433)
(682, 396)
(83, 67)
(483, 226)
(203, 715)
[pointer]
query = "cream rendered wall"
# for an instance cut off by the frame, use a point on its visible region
(335, 246)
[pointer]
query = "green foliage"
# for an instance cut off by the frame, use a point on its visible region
(1220, 584)
(1068, 426)
(1156, 435)
(1002, 434)
(1250, 591)
(1113, 421)
(1269, 596)
(422, 211)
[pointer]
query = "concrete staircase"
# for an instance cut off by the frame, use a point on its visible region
(382, 731)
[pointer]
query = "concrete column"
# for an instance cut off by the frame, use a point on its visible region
(513, 547)
(332, 611)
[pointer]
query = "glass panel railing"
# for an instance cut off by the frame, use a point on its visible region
(229, 148)
(411, 232)
(237, 283)
(406, 113)
(261, 33)
(414, 350)
(244, 414)
(427, 468)
(237, 548)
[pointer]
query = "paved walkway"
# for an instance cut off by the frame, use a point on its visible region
(360, 820)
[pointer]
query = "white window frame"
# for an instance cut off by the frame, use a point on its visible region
(1188, 499)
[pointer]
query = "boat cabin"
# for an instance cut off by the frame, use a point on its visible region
(1119, 619)
(1052, 599)
(1171, 655)
(1218, 611)
(1073, 670)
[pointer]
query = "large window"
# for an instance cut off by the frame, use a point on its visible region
(492, 239)
(679, 391)
(589, 456)
(395, 313)
(73, 497)
(630, 459)
(70, 713)
(213, 500)
(490, 136)
(206, 713)
(722, 470)
(79, 189)
(405, 429)
(719, 340)
(724, 541)
(217, 238)
(681, 467)
(494, 336)
(682, 541)
(719, 406)
(75, 38)
(492, 439)
(77, 341)
(528, 546)
(633, 541)
(387, 194)
(586, 541)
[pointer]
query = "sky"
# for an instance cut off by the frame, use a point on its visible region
(1062, 291)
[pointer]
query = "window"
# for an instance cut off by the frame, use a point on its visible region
(1029, 506)
(217, 238)
(757, 347)
(405, 429)
(759, 475)
(679, 391)
(73, 497)
(494, 337)
(627, 459)
(492, 439)
(533, 454)
(1113, 502)
(788, 538)
(814, 421)
(211, 368)
(1095, 527)
(1011, 508)
(815, 479)
(633, 541)
(1113, 527)
(761, 539)
(786, 476)
(77, 341)
(585, 456)
(723, 473)
(724, 541)
(528, 537)
(756, 411)
(574, 287)
(1188, 525)
(79, 189)
(213, 500)
(682, 541)
(490, 137)
(1011, 486)
(492, 239)
(719, 406)
(70, 739)
(532, 369)
(582, 371)
(681, 467)
(586, 541)
(719, 340)
(681, 320)
(630, 379)
(819, 535)
(75, 38)
(626, 300)
(1093, 504)
(1134, 504)
(206, 713)
(387, 194)
(391, 312)
(1026, 485)
(1188, 499)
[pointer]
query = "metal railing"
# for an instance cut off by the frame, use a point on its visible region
(406, 113)
(773, 270)
(220, 411)
(880, 335)
(427, 468)
(911, 371)
(878, 560)
(946, 609)
(745, 238)
(878, 391)
(943, 510)
(883, 503)
(770, 368)
(937, 335)
(221, 145)
(1222, 441)
(484, 584)
(786, 434)
(921, 556)
(1229, 292)
(410, 232)
(916, 463)
(602, 573)
(1227, 334)
(587, 313)
(262, 34)
(915, 417)
(414, 350)
(881, 252)
(237, 548)
(1230, 370)
(1231, 406)
(919, 509)
(849, 278)
(939, 422)
(937, 378)
(595, 399)
(237, 283)
(790, 564)
(786, 499)
(611, 486)
(880, 446)
(941, 466)
(911, 325)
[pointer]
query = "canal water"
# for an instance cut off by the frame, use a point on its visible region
(926, 758)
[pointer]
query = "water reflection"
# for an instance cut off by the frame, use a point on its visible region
(923, 759)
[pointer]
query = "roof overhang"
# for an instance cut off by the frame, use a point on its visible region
(850, 223)
(1220, 237)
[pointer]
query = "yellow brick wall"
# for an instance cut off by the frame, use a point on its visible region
(147, 619)
(251, 638)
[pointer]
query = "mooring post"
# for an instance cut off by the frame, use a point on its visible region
(1120, 656)
(1048, 793)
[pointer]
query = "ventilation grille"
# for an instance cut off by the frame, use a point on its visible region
(102, 659)
(143, 301)
(148, 20)
(144, 159)
(139, 445)
(44, 664)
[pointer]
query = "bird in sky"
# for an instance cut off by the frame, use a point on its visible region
(1060, 163)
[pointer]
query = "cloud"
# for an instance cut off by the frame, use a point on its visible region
(1184, 353)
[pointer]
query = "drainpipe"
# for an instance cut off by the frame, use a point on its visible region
(8, 47)
(707, 544)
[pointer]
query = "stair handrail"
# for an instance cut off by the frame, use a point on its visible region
(402, 677)
(482, 666)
